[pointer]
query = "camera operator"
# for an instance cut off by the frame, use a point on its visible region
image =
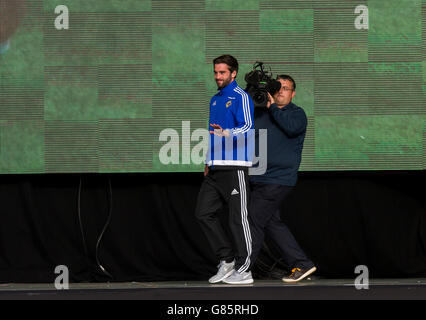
(286, 127)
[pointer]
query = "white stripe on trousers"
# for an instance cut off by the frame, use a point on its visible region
(244, 220)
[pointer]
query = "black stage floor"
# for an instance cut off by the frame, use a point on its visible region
(310, 289)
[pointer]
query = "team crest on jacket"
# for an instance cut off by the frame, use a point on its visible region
(228, 103)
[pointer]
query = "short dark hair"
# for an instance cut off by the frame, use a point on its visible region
(229, 60)
(287, 77)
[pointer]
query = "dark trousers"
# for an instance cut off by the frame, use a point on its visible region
(264, 215)
(231, 187)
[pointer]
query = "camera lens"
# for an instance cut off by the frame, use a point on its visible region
(259, 97)
(273, 87)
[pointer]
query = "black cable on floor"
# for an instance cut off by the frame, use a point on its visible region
(109, 193)
(81, 223)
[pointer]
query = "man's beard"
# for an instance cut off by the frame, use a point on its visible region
(224, 83)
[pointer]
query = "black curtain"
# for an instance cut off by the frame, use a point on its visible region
(141, 227)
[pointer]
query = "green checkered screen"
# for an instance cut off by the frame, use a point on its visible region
(96, 97)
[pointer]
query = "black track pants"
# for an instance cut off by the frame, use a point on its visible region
(231, 187)
(265, 219)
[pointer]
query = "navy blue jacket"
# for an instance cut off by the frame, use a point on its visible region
(286, 134)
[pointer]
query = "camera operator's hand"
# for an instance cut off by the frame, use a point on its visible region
(270, 100)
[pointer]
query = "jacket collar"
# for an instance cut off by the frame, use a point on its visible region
(229, 88)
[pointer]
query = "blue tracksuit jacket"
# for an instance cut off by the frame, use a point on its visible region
(232, 109)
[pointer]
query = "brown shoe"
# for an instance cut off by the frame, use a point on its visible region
(298, 274)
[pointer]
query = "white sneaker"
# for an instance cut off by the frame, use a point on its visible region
(225, 269)
(239, 278)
